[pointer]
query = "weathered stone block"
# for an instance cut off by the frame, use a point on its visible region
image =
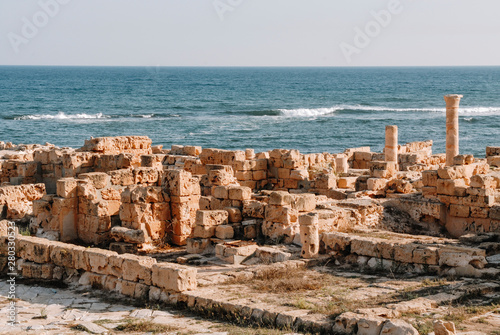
(429, 178)
(240, 193)
(34, 249)
(98, 179)
(211, 218)
(173, 277)
(224, 232)
(137, 268)
(66, 187)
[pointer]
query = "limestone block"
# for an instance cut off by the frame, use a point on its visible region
(283, 173)
(376, 184)
(449, 186)
(250, 231)
(346, 182)
(173, 277)
(220, 192)
(98, 179)
(429, 192)
(259, 175)
(146, 175)
(363, 156)
(443, 327)
(461, 256)
(178, 182)
(65, 255)
(299, 174)
(281, 214)
(398, 327)
(221, 175)
(37, 271)
(240, 193)
(304, 202)
(33, 249)
(493, 160)
(122, 177)
(280, 198)
(128, 235)
(86, 189)
(211, 218)
(429, 178)
(336, 241)
(224, 232)
(483, 181)
(134, 212)
(459, 210)
(403, 252)
(137, 268)
(326, 181)
(199, 246)
(479, 212)
(155, 160)
(203, 231)
(279, 232)
(380, 169)
(370, 325)
(234, 214)
(243, 175)
(98, 259)
(140, 194)
(255, 209)
(364, 246)
(111, 194)
(66, 187)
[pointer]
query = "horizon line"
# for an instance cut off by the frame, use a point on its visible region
(252, 66)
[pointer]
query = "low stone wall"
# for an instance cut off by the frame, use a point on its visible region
(408, 253)
(130, 275)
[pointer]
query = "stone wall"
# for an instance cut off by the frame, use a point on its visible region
(131, 275)
(407, 253)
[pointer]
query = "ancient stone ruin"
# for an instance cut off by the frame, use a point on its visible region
(103, 212)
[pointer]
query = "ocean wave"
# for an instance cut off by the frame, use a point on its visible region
(83, 116)
(315, 112)
(61, 116)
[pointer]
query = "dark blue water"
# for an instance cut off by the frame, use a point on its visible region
(310, 109)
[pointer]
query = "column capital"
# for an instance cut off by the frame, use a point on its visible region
(452, 100)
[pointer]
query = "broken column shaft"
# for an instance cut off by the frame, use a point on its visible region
(452, 148)
(391, 143)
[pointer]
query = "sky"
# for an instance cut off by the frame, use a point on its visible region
(250, 32)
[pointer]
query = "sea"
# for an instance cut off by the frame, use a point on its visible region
(305, 108)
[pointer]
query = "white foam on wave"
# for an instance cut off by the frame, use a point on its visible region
(308, 112)
(314, 112)
(61, 116)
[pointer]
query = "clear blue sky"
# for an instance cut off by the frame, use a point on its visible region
(250, 32)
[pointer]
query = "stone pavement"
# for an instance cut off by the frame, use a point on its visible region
(46, 310)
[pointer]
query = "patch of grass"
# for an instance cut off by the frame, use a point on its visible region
(433, 282)
(236, 330)
(144, 327)
(481, 320)
(423, 327)
(285, 280)
(103, 321)
(302, 303)
(24, 231)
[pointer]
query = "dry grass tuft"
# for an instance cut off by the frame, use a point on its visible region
(144, 327)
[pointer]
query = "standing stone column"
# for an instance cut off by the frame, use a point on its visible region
(452, 149)
(309, 235)
(391, 143)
